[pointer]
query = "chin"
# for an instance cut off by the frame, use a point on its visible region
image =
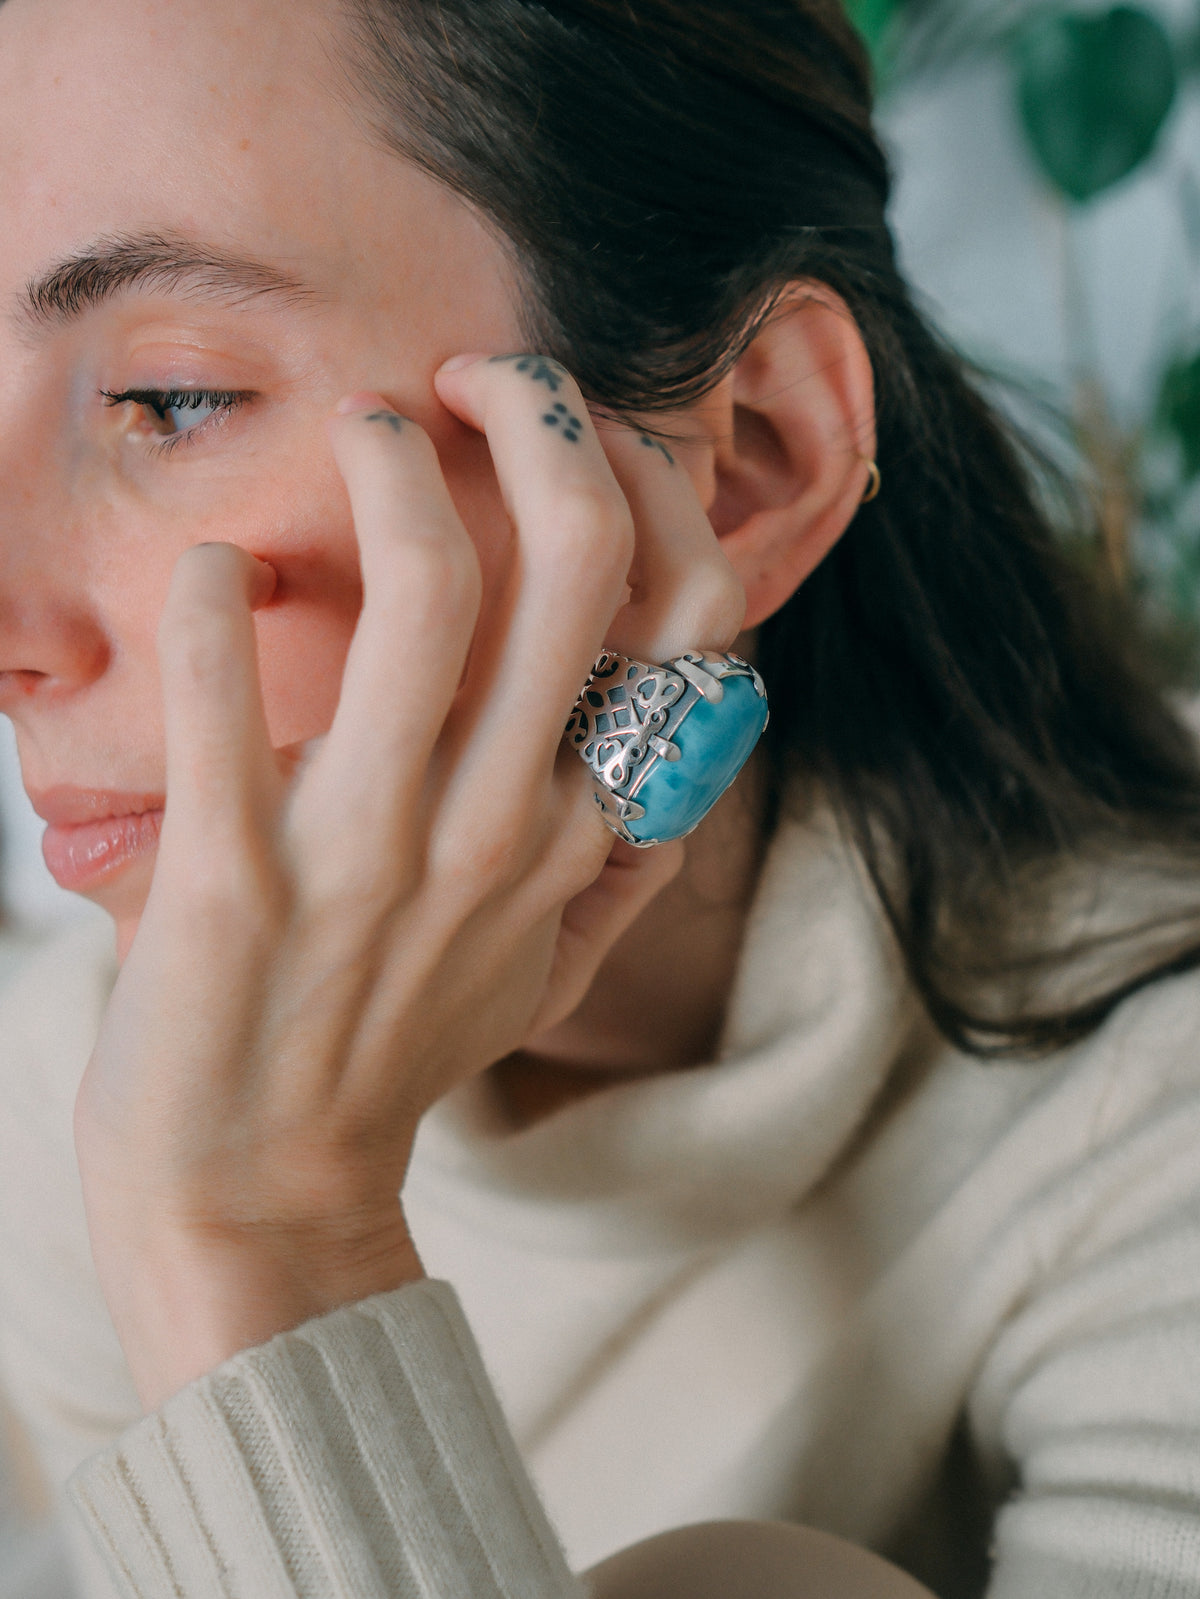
(124, 900)
(125, 934)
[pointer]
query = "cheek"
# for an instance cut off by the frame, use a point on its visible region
(302, 650)
(295, 515)
(305, 632)
(308, 537)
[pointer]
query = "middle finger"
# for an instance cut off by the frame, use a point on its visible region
(571, 559)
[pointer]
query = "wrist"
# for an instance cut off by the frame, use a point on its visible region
(187, 1305)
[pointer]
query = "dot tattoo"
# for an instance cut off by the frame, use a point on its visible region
(396, 423)
(657, 444)
(567, 420)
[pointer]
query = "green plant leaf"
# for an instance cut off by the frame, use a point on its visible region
(1178, 412)
(1093, 92)
(873, 19)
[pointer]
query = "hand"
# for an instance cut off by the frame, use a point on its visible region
(323, 956)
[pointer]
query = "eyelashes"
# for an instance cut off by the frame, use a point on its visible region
(161, 404)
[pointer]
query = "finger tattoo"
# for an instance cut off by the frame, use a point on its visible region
(657, 444)
(560, 416)
(539, 368)
(396, 423)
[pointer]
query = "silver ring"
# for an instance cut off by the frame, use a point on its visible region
(664, 742)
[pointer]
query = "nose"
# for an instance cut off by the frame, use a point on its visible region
(48, 647)
(51, 640)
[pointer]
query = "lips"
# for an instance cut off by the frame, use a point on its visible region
(92, 834)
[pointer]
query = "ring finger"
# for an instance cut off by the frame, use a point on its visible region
(685, 594)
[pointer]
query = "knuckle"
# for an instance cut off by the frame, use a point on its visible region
(429, 588)
(594, 515)
(484, 861)
(578, 864)
(233, 893)
(348, 902)
(198, 648)
(437, 579)
(716, 602)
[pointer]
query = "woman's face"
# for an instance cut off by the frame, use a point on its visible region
(234, 231)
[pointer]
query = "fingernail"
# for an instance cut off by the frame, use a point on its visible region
(364, 400)
(265, 582)
(457, 362)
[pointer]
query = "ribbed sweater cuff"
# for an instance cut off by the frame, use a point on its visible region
(363, 1454)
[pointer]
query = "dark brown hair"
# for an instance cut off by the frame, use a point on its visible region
(660, 170)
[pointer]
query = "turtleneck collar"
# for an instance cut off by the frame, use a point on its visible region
(818, 1013)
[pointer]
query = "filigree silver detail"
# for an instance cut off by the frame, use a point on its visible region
(624, 721)
(619, 717)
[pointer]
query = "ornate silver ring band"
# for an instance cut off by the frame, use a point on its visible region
(664, 742)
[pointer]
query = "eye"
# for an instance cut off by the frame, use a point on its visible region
(176, 414)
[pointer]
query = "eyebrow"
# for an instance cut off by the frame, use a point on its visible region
(149, 262)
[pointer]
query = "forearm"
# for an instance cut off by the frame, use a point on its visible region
(362, 1453)
(366, 1453)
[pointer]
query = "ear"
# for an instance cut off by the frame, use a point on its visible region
(793, 431)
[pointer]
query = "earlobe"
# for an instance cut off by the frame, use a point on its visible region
(795, 438)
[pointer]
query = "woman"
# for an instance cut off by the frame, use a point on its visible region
(746, 1223)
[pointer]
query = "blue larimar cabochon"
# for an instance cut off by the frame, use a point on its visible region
(714, 743)
(665, 742)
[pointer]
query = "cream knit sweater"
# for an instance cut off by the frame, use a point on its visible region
(843, 1275)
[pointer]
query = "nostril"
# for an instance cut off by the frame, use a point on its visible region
(49, 648)
(71, 657)
(20, 682)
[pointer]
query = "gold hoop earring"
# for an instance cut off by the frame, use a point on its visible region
(874, 482)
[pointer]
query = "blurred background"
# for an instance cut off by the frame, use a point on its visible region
(1048, 211)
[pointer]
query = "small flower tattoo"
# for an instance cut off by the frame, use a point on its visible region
(560, 416)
